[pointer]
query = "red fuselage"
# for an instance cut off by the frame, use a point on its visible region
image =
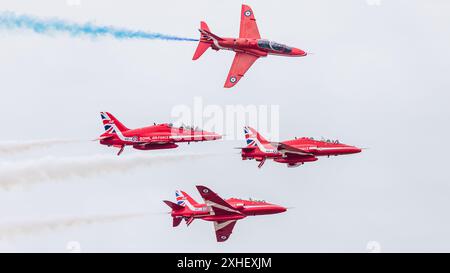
(256, 47)
(312, 148)
(245, 207)
(161, 136)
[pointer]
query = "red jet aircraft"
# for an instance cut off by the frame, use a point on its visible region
(158, 136)
(248, 47)
(291, 152)
(224, 213)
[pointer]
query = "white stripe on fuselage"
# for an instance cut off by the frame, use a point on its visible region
(133, 139)
(330, 148)
(216, 43)
(211, 204)
(254, 206)
(261, 146)
(121, 136)
(191, 136)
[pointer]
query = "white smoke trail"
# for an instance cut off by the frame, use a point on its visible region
(13, 147)
(24, 173)
(28, 228)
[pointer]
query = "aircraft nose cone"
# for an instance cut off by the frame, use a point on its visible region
(279, 209)
(355, 150)
(298, 52)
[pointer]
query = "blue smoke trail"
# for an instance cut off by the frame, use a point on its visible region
(10, 20)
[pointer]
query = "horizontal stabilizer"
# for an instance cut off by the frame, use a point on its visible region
(173, 206)
(176, 221)
(247, 149)
(206, 38)
(201, 48)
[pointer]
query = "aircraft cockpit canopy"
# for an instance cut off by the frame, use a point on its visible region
(188, 127)
(170, 125)
(266, 44)
(256, 200)
(334, 141)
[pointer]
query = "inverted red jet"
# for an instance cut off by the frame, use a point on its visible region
(291, 152)
(158, 136)
(223, 213)
(248, 47)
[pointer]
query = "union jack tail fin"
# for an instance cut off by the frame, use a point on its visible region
(111, 124)
(187, 202)
(250, 137)
(255, 139)
(184, 199)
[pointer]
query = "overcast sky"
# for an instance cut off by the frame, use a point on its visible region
(378, 78)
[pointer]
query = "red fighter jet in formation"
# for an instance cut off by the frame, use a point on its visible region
(248, 47)
(224, 213)
(291, 152)
(158, 136)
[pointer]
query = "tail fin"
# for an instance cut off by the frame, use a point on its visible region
(250, 137)
(181, 200)
(111, 123)
(253, 138)
(184, 199)
(189, 200)
(206, 38)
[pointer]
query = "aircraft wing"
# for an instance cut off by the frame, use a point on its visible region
(290, 149)
(248, 29)
(241, 63)
(223, 229)
(216, 203)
